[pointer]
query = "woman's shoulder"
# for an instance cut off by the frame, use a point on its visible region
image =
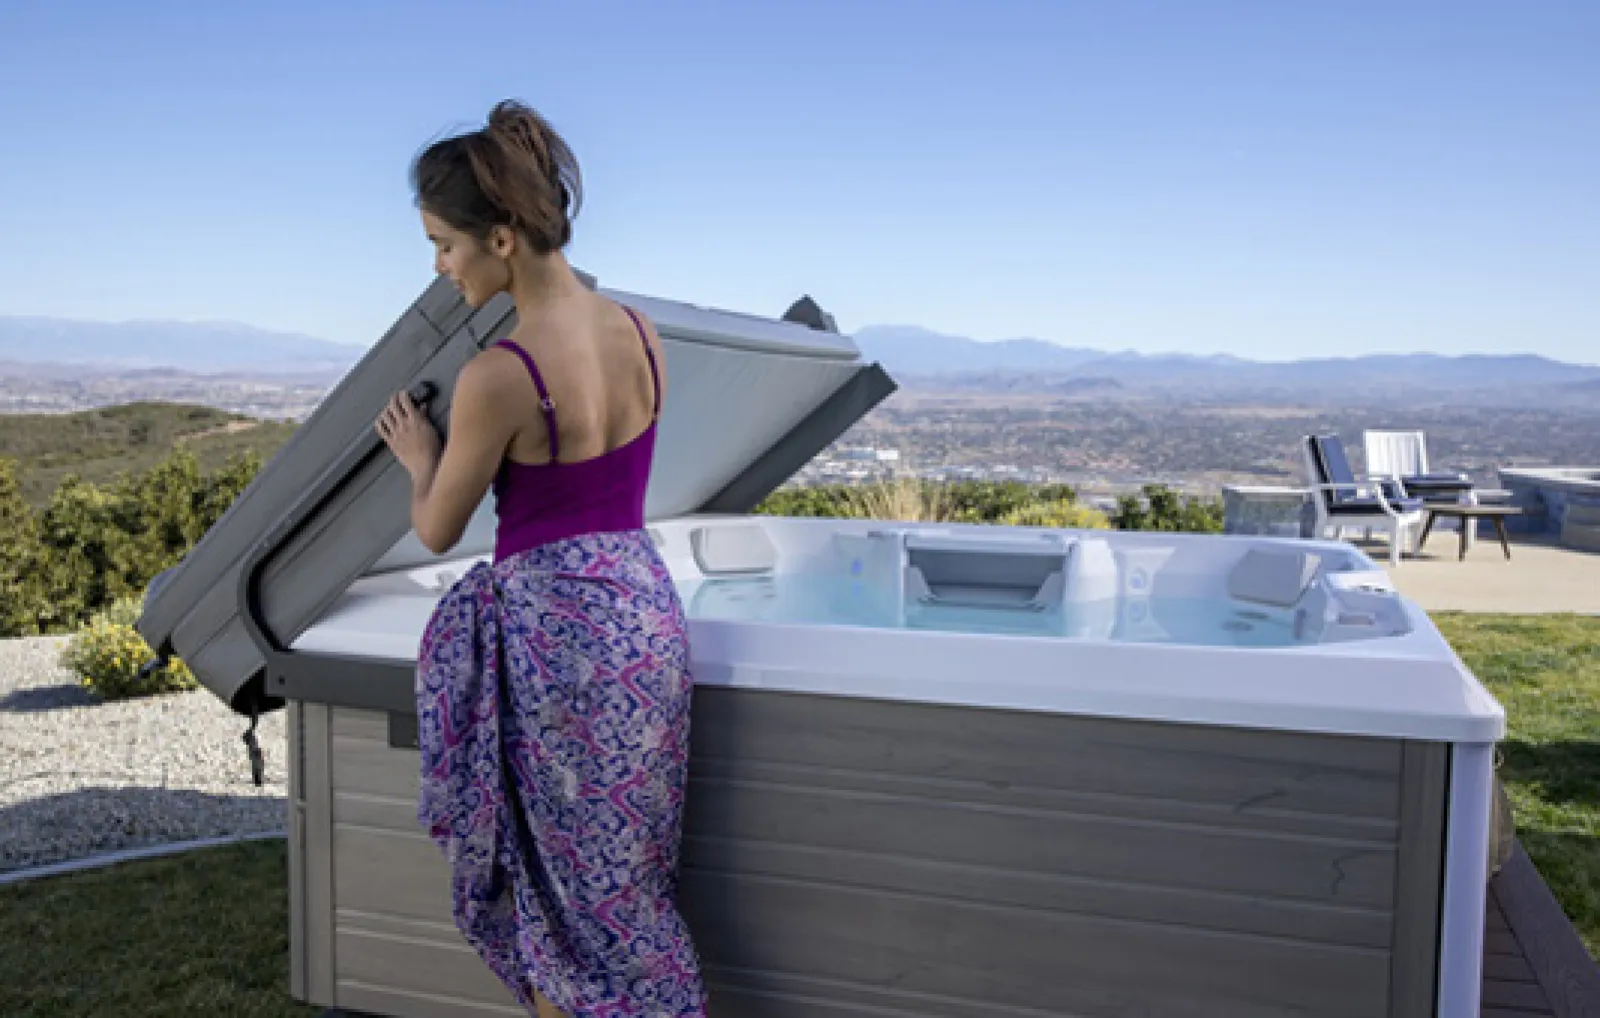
(492, 373)
(638, 320)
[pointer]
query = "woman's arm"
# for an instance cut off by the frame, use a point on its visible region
(448, 483)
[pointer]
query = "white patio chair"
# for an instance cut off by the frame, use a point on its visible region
(1342, 501)
(1395, 454)
(1402, 456)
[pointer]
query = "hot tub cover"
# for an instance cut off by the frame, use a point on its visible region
(752, 400)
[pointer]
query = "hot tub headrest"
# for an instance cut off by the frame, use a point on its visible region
(739, 549)
(1276, 576)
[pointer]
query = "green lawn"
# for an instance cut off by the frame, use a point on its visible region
(199, 934)
(206, 933)
(1545, 671)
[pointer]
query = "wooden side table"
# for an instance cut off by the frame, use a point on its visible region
(1467, 514)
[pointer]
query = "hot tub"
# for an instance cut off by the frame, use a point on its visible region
(946, 771)
(1560, 501)
(969, 771)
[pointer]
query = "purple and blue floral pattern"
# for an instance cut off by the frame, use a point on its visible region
(553, 692)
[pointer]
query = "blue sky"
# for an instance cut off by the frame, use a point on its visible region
(1271, 179)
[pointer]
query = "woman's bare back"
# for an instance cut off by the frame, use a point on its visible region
(596, 372)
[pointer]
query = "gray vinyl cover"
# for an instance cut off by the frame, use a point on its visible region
(739, 385)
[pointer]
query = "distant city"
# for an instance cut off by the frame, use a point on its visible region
(1105, 424)
(1101, 446)
(27, 390)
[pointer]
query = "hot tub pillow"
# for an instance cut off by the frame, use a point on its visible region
(739, 550)
(1276, 577)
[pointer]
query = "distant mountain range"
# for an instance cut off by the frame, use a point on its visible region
(187, 346)
(917, 357)
(915, 354)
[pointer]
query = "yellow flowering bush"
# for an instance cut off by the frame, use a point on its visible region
(1060, 514)
(107, 654)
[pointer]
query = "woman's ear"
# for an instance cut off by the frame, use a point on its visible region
(503, 241)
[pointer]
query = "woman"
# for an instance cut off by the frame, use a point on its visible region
(553, 686)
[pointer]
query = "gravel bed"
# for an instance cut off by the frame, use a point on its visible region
(79, 777)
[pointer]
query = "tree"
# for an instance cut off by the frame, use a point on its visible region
(95, 545)
(81, 545)
(21, 592)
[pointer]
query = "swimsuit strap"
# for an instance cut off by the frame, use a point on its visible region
(545, 402)
(655, 376)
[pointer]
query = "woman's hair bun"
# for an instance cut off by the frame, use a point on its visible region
(517, 171)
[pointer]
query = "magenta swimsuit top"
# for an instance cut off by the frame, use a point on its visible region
(539, 503)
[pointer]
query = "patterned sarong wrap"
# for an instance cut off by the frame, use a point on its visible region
(553, 692)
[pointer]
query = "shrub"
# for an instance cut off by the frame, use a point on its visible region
(107, 654)
(830, 501)
(911, 500)
(1058, 514)
(994, 501)
(903, 500)
(1161, 508)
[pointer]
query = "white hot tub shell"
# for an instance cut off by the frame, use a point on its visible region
(942, 771)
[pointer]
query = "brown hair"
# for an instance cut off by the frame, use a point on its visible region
(516, 171)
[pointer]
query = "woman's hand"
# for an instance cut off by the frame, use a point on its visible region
(411, 436)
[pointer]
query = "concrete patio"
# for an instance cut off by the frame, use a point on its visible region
(1540, 577)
